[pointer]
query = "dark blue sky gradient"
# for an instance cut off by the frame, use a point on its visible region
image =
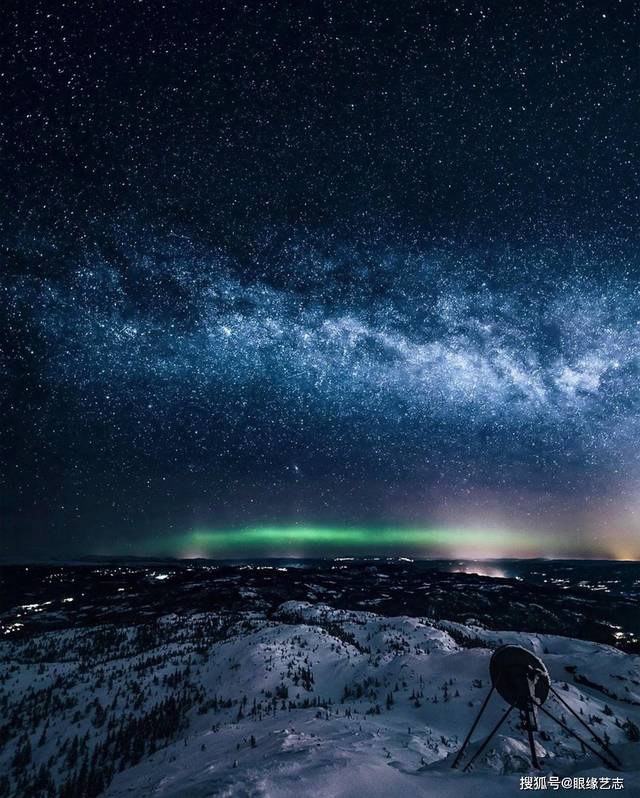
(322, 264)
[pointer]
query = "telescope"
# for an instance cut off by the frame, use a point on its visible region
(522, 680)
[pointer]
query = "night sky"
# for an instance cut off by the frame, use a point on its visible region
(320, 278)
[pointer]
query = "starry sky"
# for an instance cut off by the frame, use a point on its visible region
(320, 279)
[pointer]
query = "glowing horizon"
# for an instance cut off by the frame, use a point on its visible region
(308, 539)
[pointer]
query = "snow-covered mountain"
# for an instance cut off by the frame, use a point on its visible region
(310, 701)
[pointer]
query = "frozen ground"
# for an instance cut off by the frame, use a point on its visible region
(338, 703)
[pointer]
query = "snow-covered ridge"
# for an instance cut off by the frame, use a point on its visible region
(312, 700)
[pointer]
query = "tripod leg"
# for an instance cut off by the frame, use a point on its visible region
(529, 723)
(579, 739)
(586, 726)
(472, 729)
(532, 746)
(487, 740)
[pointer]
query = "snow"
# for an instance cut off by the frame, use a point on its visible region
(347, 663)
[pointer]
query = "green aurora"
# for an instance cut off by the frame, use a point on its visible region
(300, 541)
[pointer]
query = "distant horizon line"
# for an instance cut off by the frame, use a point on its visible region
(88, 559)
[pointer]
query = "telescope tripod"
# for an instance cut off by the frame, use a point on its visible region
(528, 708)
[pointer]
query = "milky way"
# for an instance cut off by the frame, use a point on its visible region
(437, 378)
(405, 337)
(268, 270)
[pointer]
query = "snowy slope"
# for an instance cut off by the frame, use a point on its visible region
(339, 703)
